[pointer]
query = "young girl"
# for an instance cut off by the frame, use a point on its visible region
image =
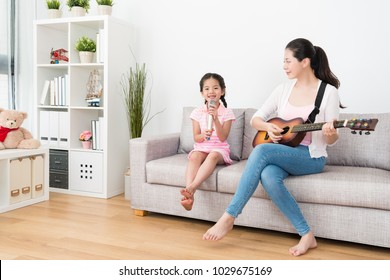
(270, 163)
(211, 147)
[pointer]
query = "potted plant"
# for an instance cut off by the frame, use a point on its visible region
(104, 7)
(86, 138)
(137, 104)
(78, 7)
(86, 48)
(53, 7)
(137, 101)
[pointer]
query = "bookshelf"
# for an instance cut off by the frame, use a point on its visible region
(64, 114)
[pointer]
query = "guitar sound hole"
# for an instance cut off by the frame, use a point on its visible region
(285, 130)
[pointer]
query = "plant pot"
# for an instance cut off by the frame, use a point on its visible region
(77, 11)
(54, 13)
(86, 144)
(104, 10)
(86, 57)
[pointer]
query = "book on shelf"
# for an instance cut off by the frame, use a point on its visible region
(58, 88)
(97, 130)
(94, 135)
(45, 90)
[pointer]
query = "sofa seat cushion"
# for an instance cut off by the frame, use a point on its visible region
(337, 185)
(171, 171)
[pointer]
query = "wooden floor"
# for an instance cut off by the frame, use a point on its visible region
(76, 228)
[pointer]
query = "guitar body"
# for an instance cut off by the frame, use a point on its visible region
(289, 138)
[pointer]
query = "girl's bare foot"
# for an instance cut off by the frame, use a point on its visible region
(308, 241)
(188, 199)
(221, 228)
(187, 203)
(186, 193)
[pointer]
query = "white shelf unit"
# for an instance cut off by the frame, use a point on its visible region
(96, 173)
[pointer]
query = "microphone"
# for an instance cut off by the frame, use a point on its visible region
(211, 104)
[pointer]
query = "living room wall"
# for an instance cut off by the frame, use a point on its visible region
(244, 41)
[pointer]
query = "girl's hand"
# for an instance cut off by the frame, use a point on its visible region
(274, 132)
(207, 134)
(213, 111)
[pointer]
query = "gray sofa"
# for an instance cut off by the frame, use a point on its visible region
(349, 201)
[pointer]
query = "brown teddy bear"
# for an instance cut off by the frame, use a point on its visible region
(12, 136)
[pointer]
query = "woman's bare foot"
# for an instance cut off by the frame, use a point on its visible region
(188, 199)
(221, 228)
(308, 241)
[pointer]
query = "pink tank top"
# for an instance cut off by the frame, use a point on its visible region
(292, 112)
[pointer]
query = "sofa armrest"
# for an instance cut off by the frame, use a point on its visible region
(153, 147)
(145, 149)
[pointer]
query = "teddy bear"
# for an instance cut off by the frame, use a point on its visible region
(12, 136)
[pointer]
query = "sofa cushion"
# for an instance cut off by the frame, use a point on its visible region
(249, 134)
(171, 171)
(363, 150)
(234, 139)
(336, 185)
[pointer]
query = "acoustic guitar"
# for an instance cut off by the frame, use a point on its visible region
(294, 130)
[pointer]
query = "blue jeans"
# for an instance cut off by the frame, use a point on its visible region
(270, 164)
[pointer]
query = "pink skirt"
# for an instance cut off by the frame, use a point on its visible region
(224, 152)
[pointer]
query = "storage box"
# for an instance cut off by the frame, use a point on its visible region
(86, 171)
(59, 179)
(58, 160)
(20, 179)
(37, 176)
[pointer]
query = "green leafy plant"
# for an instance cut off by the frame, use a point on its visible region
(78, 3)
(137, 101)
(105, 2)
(85, 44)
(53, 4)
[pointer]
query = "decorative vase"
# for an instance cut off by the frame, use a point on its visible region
(77, 11)
(104, 10)
(86, 144)
(86, 57)
(54, 13)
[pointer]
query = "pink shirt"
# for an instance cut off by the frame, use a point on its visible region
(292, 112)
(214, 144)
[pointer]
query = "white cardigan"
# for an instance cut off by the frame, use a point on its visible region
(329, 110)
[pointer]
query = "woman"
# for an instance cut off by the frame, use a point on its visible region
(306, 66)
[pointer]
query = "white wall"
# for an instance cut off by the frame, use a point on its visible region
(244, 42)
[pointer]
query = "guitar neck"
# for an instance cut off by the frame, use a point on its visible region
(316, 126)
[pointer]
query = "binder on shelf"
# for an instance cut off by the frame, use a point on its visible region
(44, 127)
(54, 129)
(63, 124)
(45, 90)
